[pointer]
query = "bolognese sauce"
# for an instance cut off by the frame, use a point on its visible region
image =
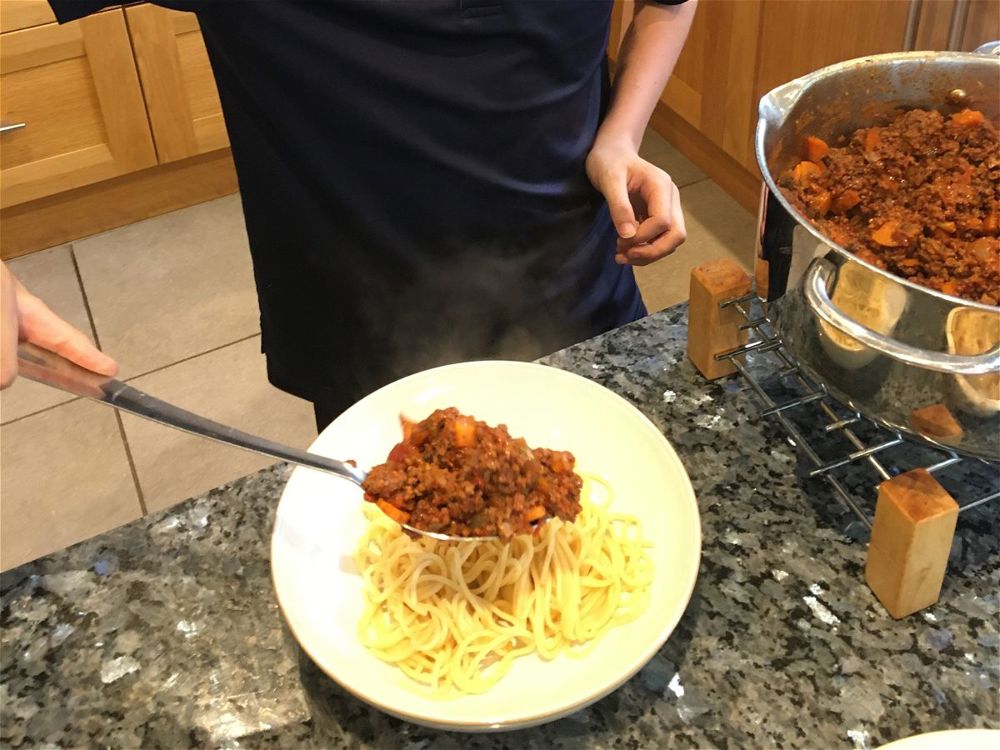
(918, 197)
(455, 475)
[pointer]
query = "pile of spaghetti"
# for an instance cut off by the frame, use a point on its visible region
(454, 616)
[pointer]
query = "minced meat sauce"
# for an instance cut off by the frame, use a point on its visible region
(455, 475)
(919, 197)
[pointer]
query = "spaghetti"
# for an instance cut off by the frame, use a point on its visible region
(454, 616)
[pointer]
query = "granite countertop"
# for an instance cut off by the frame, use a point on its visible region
(165, 632)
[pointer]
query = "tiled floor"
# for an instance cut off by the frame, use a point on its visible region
(172, 299)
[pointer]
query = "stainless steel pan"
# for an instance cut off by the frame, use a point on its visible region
(912, 358)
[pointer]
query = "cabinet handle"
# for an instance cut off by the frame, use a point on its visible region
(956, 27)
(8, 126)
(912, 22)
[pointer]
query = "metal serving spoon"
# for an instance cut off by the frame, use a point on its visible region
(56, 371)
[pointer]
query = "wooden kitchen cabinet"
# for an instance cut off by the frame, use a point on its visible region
(75, 91)
(181, 97)
(712, 81)
(23, 14)
(738, 50)
(122, 122)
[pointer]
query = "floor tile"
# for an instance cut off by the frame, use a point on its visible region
(230, 386)
(64, 478)
(170, 287)
(659, 151)
(50, 276)
(717, 227)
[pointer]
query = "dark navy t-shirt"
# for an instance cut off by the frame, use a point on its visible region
(412, 176)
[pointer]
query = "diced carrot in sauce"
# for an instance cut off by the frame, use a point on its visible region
(562, 462)
(407, 426)
(885, 235)
(846, 201)
(968, 117)
(465, 431)
(992, 223)
(947, 226)
(533, 514)
(872, 139)
(805, 172)
(984, 247)
(397, 515)
(816, 148)
(950, 287)
(821, 202)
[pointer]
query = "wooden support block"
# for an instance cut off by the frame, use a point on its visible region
(908, 553)
(712, 330)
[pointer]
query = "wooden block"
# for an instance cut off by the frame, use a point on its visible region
(937, 422)
(914, 525)
(712, 330)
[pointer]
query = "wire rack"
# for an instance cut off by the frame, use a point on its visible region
(841, 446)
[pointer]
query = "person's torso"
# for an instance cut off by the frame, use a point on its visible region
(424, 156)
(471, 117)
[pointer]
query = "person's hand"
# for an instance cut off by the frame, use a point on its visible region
(24, 317)
(645, 204)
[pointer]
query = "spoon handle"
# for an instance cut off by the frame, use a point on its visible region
(49, 368)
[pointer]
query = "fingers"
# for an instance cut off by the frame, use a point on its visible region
(656, 191)
(42, 327)
(8, 328)
(615, 191)
(663, 232)
(665, 245)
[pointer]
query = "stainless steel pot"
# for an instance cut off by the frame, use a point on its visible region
(914, 359)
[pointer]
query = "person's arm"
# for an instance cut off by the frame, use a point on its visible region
(644, 203)
(24, 317)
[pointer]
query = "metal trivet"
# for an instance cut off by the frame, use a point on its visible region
(842, 446)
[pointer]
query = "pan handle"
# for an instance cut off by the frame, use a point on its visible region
(815, 285)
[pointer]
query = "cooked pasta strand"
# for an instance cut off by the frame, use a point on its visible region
(454, 616)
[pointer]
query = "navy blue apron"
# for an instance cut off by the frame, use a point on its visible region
(412, 175)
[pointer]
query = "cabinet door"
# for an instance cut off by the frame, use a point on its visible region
(22, 14)
(183, 103)
(982, 24)
(712, 84)
(75, 94)
(797, 38)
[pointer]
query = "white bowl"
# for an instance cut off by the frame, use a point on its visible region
(949, 739)
(320, 520)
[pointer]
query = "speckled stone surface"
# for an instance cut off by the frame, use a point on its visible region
(165, 633)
